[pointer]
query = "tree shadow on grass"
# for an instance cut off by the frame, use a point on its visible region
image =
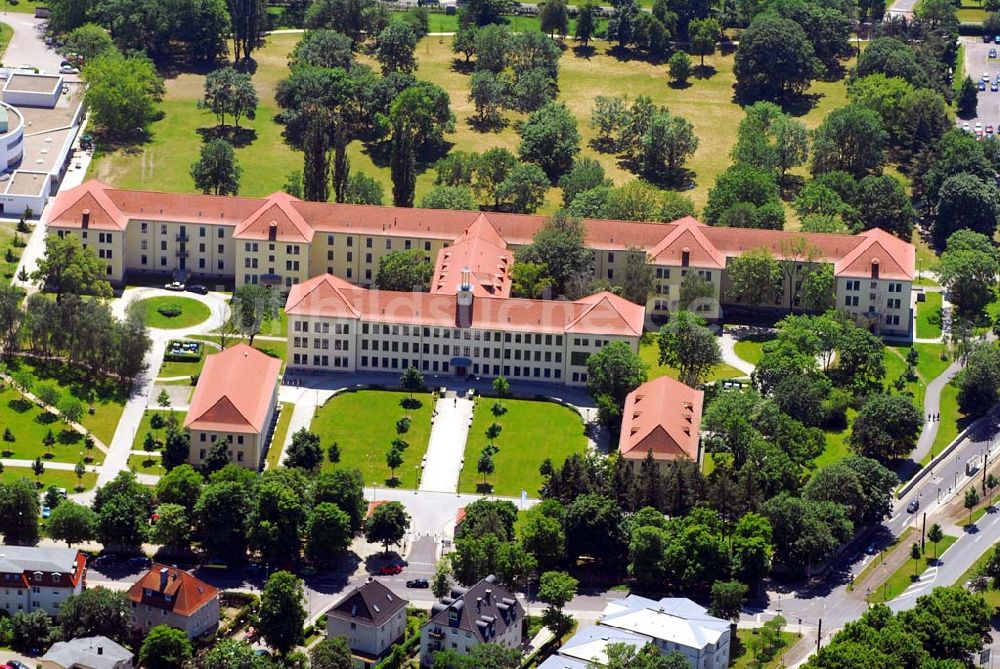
(484, 488)
(67, 437)
(410, 403)
(703, 71)
(679, 85)
(237, 136)
(486, 127)
(462, 66)
(393, 482)
(801, 105)
(46, 418)
(586, 52)
(20, 405)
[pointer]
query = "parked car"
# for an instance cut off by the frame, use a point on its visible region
(986, 76)
(15, 664)
(139, 561)
(198, 288)
(996, 39)
(46, 512)
(979, 127)
(982, 85)
(390, 570)
(174, 285)
(993, 53)
(989, 128)
(69, 69)
(418, 583)
(966, 127)
(913, 506)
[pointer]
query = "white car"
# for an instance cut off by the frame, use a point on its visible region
(986, 76)
(979, 127)
(175, 286)
(69, 69)
(966, 127)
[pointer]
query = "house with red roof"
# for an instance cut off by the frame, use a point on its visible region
(283, 242)
(233, 406)
(662, 417)
(173, 597)
(39, 578)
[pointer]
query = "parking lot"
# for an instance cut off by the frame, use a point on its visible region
(978, 63)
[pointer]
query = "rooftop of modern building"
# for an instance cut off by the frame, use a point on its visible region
(673, 619)
(92, 652)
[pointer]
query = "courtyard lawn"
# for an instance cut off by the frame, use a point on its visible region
(169, 312)
(278, 438)
(23, 7)
(51, 477)
(106, 398)
(750, 350)
(146, 464)
(902, 578)
(164, 161)
(531, 431)
(744, 657)
(838, 444)
(929, 317)
(649, 351)
(29, 425)
(173, 368)
(10, 250)
(363, 423)
(146, 425)
(273, 347)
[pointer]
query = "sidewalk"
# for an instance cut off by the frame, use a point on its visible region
(445, 452)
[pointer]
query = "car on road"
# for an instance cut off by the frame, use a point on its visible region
(913, 506)
(418, 583)
(174, 285)
(981, 86)
(872, 549)
(966, 127)
(15, 664)
(139, 561)
(198, 288)
(390, 570)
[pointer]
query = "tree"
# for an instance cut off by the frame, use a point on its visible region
(586, 173)
(343, 487)
(585, 24)
(72, 523)
(331, 653)
(403, 271)
(362, 189)
(755, 278)
(304, 452)
(664, 148)
(282, 616)
(850, 139)
(328, 532)
(738, 184)
(805, 532)
(485, 465)
(322, 48)
(411, 380)
(686, 344)
(556, 589)
(703, 34)
(221, 516)
(387, 525)
(488, 93)
(29, 630)
(484, 12)
(559, 246)
(935, 535)
(228, 91)
(862, 485)
(966, 202)
(887, 427)
(395, 47)
(968, 274)
(728, 598)
(613, 372)
(523, 190)
(679, 66)
(402, 166)
(968, 99)
(550, 138)
(97, 612)
(449, 197)
(181, 485)
(165, 647)
(216, 171)
(89, 41)
(70, 268)
(885, 204)
(173, 526)
(122, 93)
(249, 21)
(19, 511)
(775, 60)
(254, 305)
(554, 18)
(971, 500)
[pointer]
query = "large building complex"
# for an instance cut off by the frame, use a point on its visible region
(234, 403)
(282, 241)
(39, 579)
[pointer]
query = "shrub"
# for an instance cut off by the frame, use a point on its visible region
(7, 434)
(169, 311)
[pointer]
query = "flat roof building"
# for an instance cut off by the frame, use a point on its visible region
(92, 652)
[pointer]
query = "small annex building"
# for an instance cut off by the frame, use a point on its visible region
(662, 416)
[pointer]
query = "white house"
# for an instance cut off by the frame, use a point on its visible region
(372, 618)
(39, 579)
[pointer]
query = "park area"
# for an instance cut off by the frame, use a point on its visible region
(363, 424)
(30, 432)
(163, 163)
(649, 352)
(531, 431)
(168, 312)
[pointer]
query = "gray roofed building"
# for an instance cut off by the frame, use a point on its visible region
(93, 652)
(590, 643)
(484, 613)
(39, 578)
(560, 662)
(17, 559)
(372, 618)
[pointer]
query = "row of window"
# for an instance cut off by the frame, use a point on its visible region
(338, 344)
(220, 265)
(891, 303)
(202, 231)
(369, 243)
(855, 285)
(322, 327)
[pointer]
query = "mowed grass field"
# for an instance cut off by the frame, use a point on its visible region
(164, 162)
(29, 425)
(532, 431)
(363, 423)
(649, 352)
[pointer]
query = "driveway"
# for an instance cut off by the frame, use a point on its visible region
(27, 46)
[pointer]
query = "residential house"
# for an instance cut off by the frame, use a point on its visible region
(39, 578)
(170, 596)
(371, 617)
(92, 652)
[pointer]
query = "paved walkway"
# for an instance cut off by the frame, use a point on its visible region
(446, 450)
(304, 402)
(727, 345)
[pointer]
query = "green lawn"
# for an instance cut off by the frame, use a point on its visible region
(743, 657)
(50, 477)
(274, 348)
(929, 317)
(11, 241)
(172, 368)
(107, 398)
(991, 595)
(6, 32)
(363, 423)
(146, 464)
(29, 426)
(526, 426)
(22, 7)
(280, 430)
(145, 425)
(750, 350)
(837, 445)
(649, 351)
(900, 580)
(164, 162)
(443, 23)
(155, 310)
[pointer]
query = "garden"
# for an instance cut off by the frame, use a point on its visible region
(530, 431)
(363, 424)
(182, 359)
(168, 312)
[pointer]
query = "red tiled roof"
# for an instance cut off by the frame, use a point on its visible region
(187, 593)
(298, 221)
(601, 313)
(662, 416)
(234, 391)
(482, 250)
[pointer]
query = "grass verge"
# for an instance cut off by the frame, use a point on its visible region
(929, 317)
(168, 312)
(907, 573)
(280, 431)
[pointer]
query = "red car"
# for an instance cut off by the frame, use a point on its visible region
(390, 570)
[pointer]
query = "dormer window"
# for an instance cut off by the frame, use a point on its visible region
(38, 576)
(685, 257)
(875, 269)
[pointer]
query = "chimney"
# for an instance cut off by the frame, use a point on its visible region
(85, 219)
(463, 300)
(164, 573)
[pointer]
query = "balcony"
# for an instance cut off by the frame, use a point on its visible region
(182, 253)
(182, 237)
(271, 279)
(436, 634)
